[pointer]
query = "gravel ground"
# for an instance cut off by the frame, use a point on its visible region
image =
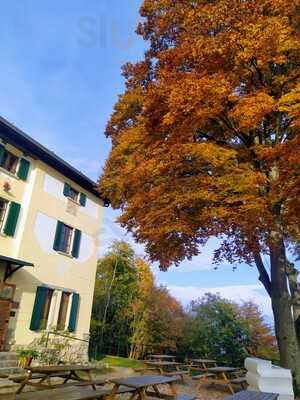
(206, 392)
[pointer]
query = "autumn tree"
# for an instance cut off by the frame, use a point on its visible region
(159, 319)
(206, 142)
(262, 340)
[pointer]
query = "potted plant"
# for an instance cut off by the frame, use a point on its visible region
(26, 356)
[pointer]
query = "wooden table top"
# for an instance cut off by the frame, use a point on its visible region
(162, 363)
(221, 369)
(70, 393)
(162, 356)
(203, 360)
(59, 368)
(251, 395)
(138, 382)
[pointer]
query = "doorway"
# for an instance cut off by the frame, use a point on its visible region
(7, 292)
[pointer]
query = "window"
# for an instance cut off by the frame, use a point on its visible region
(3, 208)
(65, 239)
(46, 309)
(63, 310)
(9, 162)
(73, 194)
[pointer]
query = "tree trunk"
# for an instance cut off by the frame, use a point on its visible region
(285, 327)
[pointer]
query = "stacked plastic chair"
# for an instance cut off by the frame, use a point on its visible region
(263, 376)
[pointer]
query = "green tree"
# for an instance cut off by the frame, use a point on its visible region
(216, 330)
(115, 288)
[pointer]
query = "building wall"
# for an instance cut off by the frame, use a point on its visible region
(42, 205)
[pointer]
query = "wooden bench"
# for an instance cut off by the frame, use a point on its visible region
(72, 393)
(145, 370)
(179, 373)
(202, 378)
(94, 383)
(20, 378)
(242, 381)
(185, 397)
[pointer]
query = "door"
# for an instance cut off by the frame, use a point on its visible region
(7, 292)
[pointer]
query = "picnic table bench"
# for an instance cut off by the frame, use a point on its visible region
(168, 368)
(201, 364)
(221, 375)
(71, 393)
(44, 374)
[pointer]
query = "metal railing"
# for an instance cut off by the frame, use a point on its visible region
(62, 335)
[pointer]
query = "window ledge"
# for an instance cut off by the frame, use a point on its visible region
(73, 201)
(62, 253)
(9, 173)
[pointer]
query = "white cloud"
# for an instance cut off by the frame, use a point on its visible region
(236, 293)
(112, 231)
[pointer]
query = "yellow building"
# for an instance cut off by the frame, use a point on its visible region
(50, 217)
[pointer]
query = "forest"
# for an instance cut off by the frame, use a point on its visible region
(133, 316)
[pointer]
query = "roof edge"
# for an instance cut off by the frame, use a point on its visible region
(16, 137)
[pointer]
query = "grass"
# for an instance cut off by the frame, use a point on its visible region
(114, 361)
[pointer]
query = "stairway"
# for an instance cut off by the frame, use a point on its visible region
(9, 364)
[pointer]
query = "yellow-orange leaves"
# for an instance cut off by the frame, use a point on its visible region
(251, 109)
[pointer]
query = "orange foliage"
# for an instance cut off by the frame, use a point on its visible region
(206, 136)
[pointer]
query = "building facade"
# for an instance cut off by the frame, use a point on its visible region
(50, 219)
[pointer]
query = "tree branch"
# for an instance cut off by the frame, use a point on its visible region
(263, 274)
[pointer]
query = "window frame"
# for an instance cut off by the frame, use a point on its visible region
(67, 241)
(43, 324)
(76, 195)
(3, 213)
(8, 154)
(63, 310)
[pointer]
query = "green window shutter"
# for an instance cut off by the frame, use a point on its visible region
(12, 219)
(41, 293)
(23, 169)
(82, 199)
(76, 243)
(2, 152)
(66, 190)
(74, 312)
(58, 233)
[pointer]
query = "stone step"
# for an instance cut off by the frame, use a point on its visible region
(11, 371)
(9, 364)
(8, 356)
(7, 386)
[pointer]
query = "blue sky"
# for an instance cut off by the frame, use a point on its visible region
(60, 77)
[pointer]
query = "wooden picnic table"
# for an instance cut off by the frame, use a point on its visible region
(222, 376)
(251, 395)
(162, 357)
(170, 368)
(163, 364)
(203, 363)
(45, 373)
(141, 384)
